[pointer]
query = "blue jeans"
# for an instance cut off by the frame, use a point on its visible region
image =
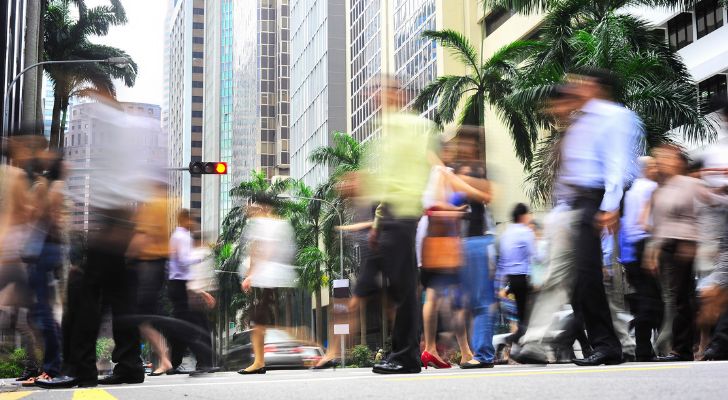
(49, 260)
(480, 295)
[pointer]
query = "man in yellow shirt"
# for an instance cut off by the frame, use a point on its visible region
(399, 169)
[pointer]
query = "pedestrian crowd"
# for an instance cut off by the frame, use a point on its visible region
(427, 239)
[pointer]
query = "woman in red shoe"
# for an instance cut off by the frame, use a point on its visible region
(439, 277)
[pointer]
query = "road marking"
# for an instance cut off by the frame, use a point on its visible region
(14, 395)
(92, 394)
(564, 371)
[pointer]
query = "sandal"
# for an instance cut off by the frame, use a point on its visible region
(31, 381)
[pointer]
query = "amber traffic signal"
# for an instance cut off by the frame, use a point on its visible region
(208, 168)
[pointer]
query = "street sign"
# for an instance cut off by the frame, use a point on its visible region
(341, 329)
(232, 325)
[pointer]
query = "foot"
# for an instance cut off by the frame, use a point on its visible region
(712, 354)
(178, 371)
(599, 358)
(31, 381)
(64, 382)
(672, 357)
(253, 370)
(474, 364)
(433, 360)
(117, 379)
(326, 364)
(393, 367)
(465, 358)
(204, 370)
(530, 353)
(27, 374)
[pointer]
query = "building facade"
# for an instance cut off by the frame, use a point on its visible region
(86, 145)
(185, 39)
(318, 82)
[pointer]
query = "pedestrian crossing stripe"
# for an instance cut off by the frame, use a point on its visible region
(14, 395)
(92, 394)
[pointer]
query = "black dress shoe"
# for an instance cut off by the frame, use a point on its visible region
(158, 373)
(712, 354)
(116, 379)
(674, 358)
(393, 367)
(204, 370)
(178, 371)
(628, 358)
(530, 354)
(598, 358)
(259, 371)
(477, 364)
(64, 382)
(644, 358)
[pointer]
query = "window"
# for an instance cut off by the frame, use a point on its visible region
(497, 18)
(196, 143)
(198, 25)
(197, 54)
(196, 114)
(196, 204)
(197, 99)
(680, 30)
(717, 84)
(198, 11)
(197, 70)
(198, 40)
(708, 16)
(196, 128)
(196, 189)
(196, 84)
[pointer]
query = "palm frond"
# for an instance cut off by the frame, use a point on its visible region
(459, 45)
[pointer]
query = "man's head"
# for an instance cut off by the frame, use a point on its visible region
(469, 139)
(391, 93)
(521, 214)
(593, 83)
(184, 219)
(649, 167)
(560, 104)
(671, 160)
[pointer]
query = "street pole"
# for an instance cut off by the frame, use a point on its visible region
(341, 252)
(6, 106)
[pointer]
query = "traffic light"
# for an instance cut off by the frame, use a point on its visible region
(208, 168)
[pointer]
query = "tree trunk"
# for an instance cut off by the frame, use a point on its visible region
(56, 123)
(289, 308)
(319, 318)
(363, 323)
(62, 128)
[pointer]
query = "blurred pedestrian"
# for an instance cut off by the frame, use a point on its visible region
(148, 254)
(400, 166)
(646, 301)
(517, 250)
(195, 330)
(595, 159)
(271, 249)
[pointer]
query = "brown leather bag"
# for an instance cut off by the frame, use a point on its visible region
(442, 248)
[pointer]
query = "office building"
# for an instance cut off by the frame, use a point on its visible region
(86, 146)
(184, 43)
(318, 82)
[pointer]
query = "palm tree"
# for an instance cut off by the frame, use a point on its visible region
(582, 34)
(66, 38)
(488, 82)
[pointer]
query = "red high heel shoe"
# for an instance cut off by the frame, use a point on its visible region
(430, 360)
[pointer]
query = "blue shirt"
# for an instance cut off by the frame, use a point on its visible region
(599, 151)
(517, 250)
(631, 230)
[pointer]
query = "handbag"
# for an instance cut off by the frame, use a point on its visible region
(442, 247)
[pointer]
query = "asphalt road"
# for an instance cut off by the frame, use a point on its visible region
(696, 380)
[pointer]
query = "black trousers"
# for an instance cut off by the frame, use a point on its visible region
(676, 260)
(193, 330)
(719, 340)
(103, 280)
(589, 297)
(399, 268)
(646, 303)
(518, 286)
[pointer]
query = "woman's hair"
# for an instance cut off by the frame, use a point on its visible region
(183, 215)
(518, 211)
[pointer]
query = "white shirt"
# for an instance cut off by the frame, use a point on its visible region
(180, 255)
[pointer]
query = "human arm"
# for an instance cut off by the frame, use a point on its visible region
(616, 149)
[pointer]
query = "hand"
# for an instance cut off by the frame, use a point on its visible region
(650, 262)
(246, 284)
(373, 238)
(608, 220)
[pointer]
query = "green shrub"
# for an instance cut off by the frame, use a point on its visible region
(104, 347)
(360, 356)
(12, 365)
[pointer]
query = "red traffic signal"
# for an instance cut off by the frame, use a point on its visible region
(208, 168)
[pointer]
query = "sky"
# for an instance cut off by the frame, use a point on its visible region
(143, 39)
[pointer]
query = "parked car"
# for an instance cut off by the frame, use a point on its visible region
(282, 351)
